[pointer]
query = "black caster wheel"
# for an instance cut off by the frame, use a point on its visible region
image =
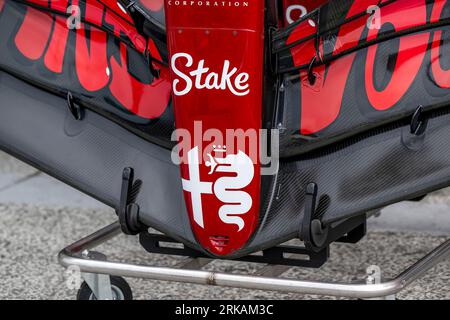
(120, 290)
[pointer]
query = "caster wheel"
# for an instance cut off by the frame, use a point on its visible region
(120, 290)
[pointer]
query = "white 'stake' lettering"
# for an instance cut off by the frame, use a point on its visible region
(202, 79)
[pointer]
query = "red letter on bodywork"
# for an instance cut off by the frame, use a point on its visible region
(441, 76)
(91, 60)
(54, 56)
(146, 100)
(91, 63)
(321, 102)
(34, 33)
(410, 55)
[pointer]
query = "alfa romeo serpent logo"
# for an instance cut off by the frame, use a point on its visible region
(227, 189)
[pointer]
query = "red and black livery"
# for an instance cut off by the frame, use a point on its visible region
(358, 90)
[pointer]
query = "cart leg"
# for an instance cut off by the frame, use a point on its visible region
(374, 276)
(100, 284)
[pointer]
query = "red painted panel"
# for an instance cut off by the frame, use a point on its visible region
(153, 5)
(410, 53)
(217, 71)
(34, 33)
(441, 76)
(54, 56)
(321, 102)
(146, 100)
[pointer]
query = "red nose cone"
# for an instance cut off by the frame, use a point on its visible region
(216, 59)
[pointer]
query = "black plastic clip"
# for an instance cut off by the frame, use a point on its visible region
(418, 122)
(128, 211)
(413, 136)
(317, 236)
(73, 107)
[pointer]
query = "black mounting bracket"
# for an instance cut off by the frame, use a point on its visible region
(128, 211)
(413, 137)
(318, 236)
(280, 255)
(74, 108)
(315, 235)
(418, 122)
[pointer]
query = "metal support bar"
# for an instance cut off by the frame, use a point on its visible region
(71, 256)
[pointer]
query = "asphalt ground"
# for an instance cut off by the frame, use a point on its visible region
(39, 216)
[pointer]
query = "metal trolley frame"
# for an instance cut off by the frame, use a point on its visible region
(96, 272)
